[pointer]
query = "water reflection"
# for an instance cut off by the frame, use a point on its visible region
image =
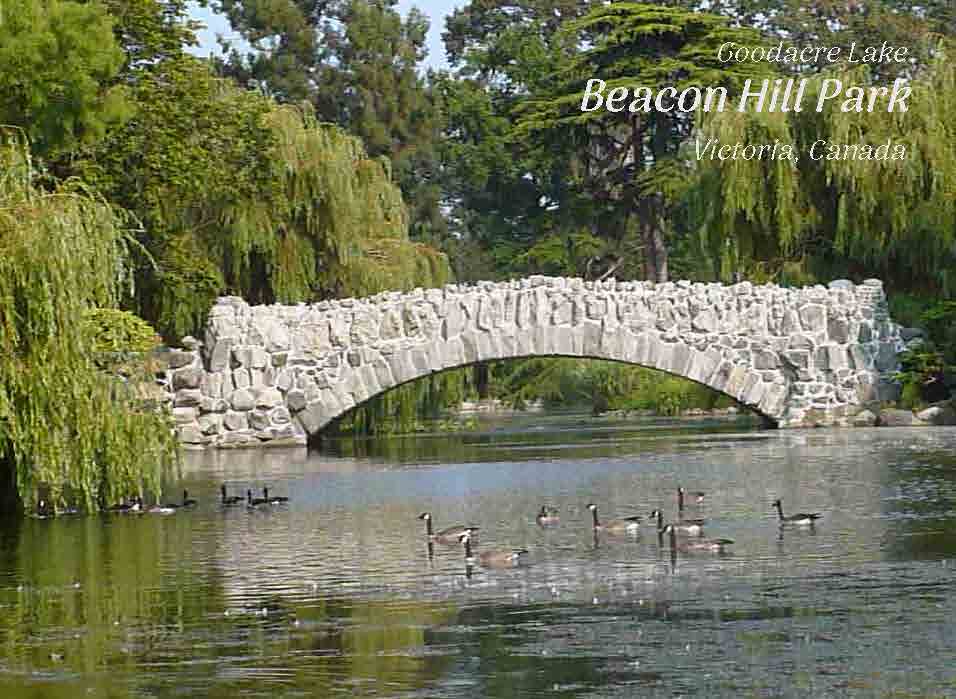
(339, 593)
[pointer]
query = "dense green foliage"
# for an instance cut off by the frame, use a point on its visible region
(928, 372)
(114, 331)
(64, 425)
(601, 386)
(356, 62)
(894, 219)
(58, 59)
(239, 194)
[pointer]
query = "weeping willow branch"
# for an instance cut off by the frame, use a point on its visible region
(64, 425)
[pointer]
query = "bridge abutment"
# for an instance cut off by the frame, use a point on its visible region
(272, 375)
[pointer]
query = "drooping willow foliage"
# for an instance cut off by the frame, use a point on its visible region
(341, 224)
(65, 426)
(824, 217)
(240, 195)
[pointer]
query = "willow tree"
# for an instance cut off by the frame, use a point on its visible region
(239, 195)
(626, 163)
(823, 216)
(65, 427)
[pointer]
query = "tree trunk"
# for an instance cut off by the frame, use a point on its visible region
(655, 253)
(480, 377)
(659, 251)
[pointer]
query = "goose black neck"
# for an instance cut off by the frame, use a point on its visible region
(428, 526)
(467, 548)
(222, 489)
(595, 518)
(673, 539)
(779, 507)
(680, 500)
(660, 521)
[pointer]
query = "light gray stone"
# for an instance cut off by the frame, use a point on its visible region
(295, 399)
(187, 377)
(180, 358)
(210, 424)
(187, 397)
(235, 420)
(243, 399)
(182, 416)
(250, 357)
(212, 405)
(942, 414)
(259, 419)
(268, 398)
(817, 355)
(864, 418)
(191, 434)
(893, 417)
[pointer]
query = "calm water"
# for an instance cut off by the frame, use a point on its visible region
(334, 594)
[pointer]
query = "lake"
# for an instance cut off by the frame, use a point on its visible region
(335, 594)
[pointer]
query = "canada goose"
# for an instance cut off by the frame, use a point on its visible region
(681, 493)
(158, 509)
(131, 505)
(692, 545)
(451, 535)
(547, 517)
(507, 558)
(275, 499)
(688, 527)
(615, 526)
(255, 502)
(801, 518)
(187, 501)
(229, 500)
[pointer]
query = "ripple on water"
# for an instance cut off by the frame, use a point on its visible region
(335, 594)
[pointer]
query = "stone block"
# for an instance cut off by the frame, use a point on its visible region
(241, 378)
(250, 357)
(940, 414)
(813, 317)
(210, 423)
(212, 405)
(238, 439)
(180, 358)
(765, 359)
(235, 420)
(295, 399)
(259, 419)
(187, 397)
(243, 399)
(191, 434)
(221, 354)
(893, 417)
(268, 398)
(280, 416)
(864, 418)
(182, 416)
(187, 377)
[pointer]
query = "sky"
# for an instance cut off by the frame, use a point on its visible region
(436, 10)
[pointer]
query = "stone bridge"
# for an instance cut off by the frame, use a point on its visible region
(274, 375)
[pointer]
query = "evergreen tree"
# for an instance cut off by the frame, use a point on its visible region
(627, 166)
(356, 62)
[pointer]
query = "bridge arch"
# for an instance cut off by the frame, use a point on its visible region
(277, 374)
